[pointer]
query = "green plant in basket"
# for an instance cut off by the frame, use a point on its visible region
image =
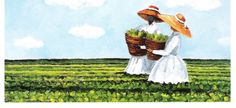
(155, 37)
(133, 32)
(149, 36)
(164, 38)
(141, 34)
(160, 38)
(130, 32)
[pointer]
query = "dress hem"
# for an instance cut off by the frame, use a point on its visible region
(172, 82)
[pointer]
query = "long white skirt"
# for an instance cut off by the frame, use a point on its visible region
(149, 64)
(137, 65)
(169, 69)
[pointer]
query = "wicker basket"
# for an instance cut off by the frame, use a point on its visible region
(133, 44)
(154, 46)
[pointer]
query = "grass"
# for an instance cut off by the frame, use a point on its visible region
(103, 80)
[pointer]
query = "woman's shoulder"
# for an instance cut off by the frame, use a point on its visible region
(176, 34)
(174, 37)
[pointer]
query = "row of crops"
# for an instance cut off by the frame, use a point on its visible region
(103, 80)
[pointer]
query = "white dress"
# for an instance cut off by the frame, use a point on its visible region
(140, 64)
(169, 68)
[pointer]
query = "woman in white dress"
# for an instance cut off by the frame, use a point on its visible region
(170, 68)
(140, 64)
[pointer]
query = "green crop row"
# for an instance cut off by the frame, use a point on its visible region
(107, 96)
(103, 77)
(104, 69)
(104, 61)
(139, 85)
(83, 81)
(181, 92)
(101, 73)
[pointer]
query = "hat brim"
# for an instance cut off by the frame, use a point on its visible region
(174, 23)
(147, 12)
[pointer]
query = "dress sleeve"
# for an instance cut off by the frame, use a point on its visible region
(169, 48)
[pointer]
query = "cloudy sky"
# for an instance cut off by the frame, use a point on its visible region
(95, 28)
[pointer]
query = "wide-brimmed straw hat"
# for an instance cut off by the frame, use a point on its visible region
(177, 22)
(150, 11)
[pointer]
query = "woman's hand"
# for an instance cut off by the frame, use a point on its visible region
(149, 50)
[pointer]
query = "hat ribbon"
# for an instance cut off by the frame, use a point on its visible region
(150, 8)
(180, 21)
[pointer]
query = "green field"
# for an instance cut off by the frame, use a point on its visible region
(103, 80)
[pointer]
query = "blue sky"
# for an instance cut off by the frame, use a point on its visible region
(95, 28)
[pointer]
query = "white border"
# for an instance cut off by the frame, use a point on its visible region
(233, 50)
(2, 53)
(120, 105)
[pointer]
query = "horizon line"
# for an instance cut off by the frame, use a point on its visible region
(187, 58)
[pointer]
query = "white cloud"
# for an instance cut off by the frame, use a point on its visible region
(225, 41)
(200, 5)
(87, 31)
(28, 43)
(76, 4)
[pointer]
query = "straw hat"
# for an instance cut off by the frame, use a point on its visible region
(150, 11)
(177, 22)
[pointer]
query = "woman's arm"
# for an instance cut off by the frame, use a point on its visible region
(169, 48)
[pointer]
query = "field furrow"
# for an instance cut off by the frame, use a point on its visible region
(104, 80)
